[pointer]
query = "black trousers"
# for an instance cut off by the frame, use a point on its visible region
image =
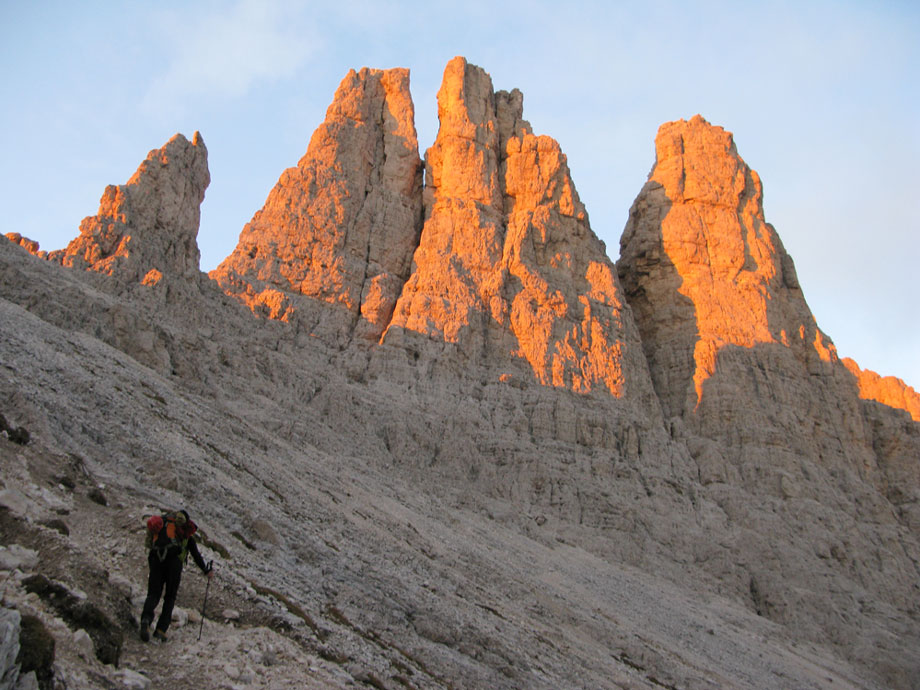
(166, 573)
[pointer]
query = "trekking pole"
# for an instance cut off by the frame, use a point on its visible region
(205, 603)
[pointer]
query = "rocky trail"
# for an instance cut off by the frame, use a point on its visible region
(650, 633)
(403, 585)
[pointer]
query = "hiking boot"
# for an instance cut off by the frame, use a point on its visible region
(160, 635)
(145, 631)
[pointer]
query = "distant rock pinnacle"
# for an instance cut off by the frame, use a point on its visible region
(149, 226)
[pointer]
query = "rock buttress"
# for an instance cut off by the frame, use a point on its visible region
(756, 391)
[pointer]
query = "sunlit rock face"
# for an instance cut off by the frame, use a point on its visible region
(29, 245)
(342, 225)
(704, 271)
(507, 263)
(733, 349)
(887, 390)
(724, 323)
(147, 227)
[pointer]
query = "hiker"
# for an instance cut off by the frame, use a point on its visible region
(170, 538)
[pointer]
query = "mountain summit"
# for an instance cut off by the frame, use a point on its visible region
(340, 227)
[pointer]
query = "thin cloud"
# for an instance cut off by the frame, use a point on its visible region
(224, 52)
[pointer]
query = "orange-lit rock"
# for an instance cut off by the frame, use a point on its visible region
(507, 263)
(151, 222)
(732, 346)
(152, 278)
(342, 225)
(703, 268)
(30, 246)
(755, 390)
(887, 390)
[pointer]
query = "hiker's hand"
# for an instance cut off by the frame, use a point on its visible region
(210, 574)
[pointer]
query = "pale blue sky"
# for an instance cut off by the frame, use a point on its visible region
(822, 97)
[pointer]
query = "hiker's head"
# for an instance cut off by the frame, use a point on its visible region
(182, 517)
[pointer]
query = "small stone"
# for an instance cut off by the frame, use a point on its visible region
(133, 680)
(180, 617)
(125, 585)
(57, 525)
(265, 532)
(84, 644)
(16, 557)
(28, 681)
(10, 622)
(96, 495)
(14, 501)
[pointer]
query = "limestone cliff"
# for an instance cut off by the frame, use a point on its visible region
(704, 271)
(147, 227)
(730, 340)
(748, 380)
(342, 225)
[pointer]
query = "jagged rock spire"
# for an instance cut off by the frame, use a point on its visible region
(703, 270)
(732, 346)
(342, 225)
(148, 227)
(507, 263)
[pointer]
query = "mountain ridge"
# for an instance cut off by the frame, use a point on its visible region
(679, 411)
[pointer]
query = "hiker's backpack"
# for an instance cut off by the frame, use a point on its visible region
(169, 531)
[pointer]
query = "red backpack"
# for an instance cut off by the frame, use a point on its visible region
(168, 531)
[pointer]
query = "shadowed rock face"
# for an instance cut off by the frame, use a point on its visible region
(147, 227)
(341, 226)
